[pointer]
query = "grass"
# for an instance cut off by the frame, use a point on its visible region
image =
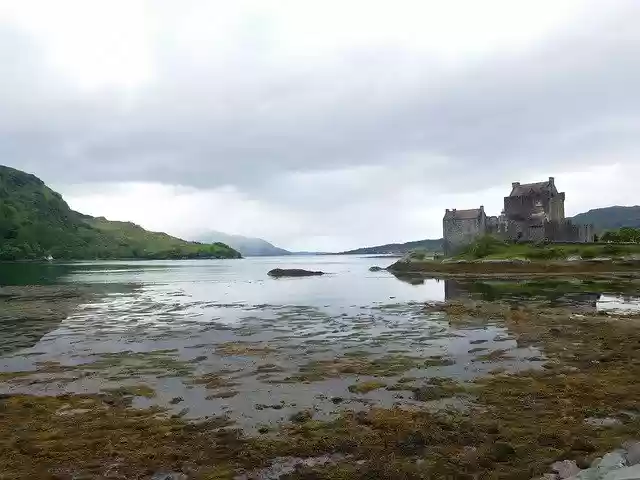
(493, 249)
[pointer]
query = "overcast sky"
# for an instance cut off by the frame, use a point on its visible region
(319, 125)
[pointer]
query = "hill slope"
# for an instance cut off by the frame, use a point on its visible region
(35, 221)
(247, 246)
(399, 248)
(611, 218)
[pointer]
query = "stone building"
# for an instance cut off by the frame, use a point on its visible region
(533, 212)
(462, 227)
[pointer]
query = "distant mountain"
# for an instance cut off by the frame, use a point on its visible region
(611, 218)
(399, 248)
(35, 222)
(247, 246)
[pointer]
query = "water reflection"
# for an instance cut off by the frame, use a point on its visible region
(587, 295)
(33, 273)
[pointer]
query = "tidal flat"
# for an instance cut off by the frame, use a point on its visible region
(456, 379)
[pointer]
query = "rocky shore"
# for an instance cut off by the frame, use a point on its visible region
(620, 464)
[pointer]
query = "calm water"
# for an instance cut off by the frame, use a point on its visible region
(220, 337)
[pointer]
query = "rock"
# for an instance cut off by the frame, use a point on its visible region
(566, 468)
(376, 269)
(612, 460)
(633, 452)
(628, 473)
(293, 272)
(602, 421)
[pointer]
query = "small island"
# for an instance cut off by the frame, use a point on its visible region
(531, 236)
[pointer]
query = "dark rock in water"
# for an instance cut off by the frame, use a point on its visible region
(376, 269)
(293, 272)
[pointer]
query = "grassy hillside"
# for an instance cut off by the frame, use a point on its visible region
(399, 248)
(611, 218)
(35, 222)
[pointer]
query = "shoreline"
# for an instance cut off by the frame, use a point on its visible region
(517, 267)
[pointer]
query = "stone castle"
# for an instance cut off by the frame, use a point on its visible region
(533, 212)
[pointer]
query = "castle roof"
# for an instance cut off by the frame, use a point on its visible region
(469, 214)
(524, 189)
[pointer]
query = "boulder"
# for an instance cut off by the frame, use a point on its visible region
(376, 269)
(628, 473)
(566, 468)
(293, 272)
(633, 452)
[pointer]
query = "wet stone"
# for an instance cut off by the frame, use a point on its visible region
(565, 468)
(613, 460)
(628, 473)
(633, 452)
(602, 422)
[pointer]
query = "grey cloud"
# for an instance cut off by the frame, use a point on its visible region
(250, 123)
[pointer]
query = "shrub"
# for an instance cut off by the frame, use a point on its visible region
(588, 253)
(484, 246)
(545, 254)
(612, 250)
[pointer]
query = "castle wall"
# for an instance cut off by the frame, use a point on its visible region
(556, 208)
(515, 231)
(460, 232)
(567, 231)
(521, 208)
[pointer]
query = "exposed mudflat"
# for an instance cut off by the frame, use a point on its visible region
(478, 379)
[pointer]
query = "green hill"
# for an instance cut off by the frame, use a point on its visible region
(398, 248)
(611, 218)
(36, 222)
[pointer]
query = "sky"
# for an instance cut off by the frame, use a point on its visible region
(319, 125)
